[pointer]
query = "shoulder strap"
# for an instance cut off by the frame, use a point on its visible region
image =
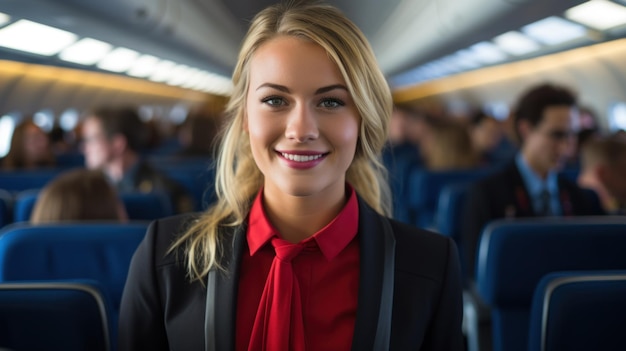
(209, 314)
(383, 330)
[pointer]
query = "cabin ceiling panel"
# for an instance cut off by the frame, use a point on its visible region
(208, 33)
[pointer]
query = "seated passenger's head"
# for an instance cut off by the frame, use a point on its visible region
(604, 161)
(486, 132)
(546, 123)
(30, 148)
(77, 195)
(110, 133)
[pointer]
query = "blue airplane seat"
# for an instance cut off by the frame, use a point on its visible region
(15, 181)
(70, 160)
(24, 204)
(99, 251)
(449, 213)
(139, 206)
(6, 208)
(56, 316)
(196, 175)
(579, 311)
(424, 187)
(514, 255)
(147, 206)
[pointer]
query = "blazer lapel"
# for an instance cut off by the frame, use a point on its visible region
(225, 294)
(372, 245)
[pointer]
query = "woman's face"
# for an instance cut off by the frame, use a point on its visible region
(35, 144)
(302, 122)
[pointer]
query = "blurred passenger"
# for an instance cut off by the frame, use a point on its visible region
(486, 133)
(402, 145)
(30, 149)
(589, 129)
(197, 135)
(447, 146)
(604, 171)
(58, 141)
(546, 123)
(78, 195)
(397, 126)
(112, 140)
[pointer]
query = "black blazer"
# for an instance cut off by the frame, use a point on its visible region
(504, 195)
(162, 310)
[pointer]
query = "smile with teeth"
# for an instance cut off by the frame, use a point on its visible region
(301, 158)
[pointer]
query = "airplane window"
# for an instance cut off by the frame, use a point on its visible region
(498, 109)
(44, 119)
(617, 116)
(7, 125)
(178, 114)
(68, 119)
(146, 113)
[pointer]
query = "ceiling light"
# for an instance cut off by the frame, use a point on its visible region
(180, 74)
(466, 59)
(35, 38)
(192, 78)
(86, 51)
(516, 43)
(144, 66)
(487, 53)
(118, 60)
(554, 30)
(598, 14)
(162, 71)
(4, 19)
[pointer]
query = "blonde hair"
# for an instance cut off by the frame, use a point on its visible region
(237, 177)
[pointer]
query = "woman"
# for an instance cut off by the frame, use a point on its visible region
(296, 253)
(30, 148)
(78, 195)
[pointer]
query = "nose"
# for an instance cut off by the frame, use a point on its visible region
(302, 125)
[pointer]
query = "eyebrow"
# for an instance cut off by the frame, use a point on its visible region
(321, 90)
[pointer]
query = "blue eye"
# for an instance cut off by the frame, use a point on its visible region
(273, 101)
(331, 103)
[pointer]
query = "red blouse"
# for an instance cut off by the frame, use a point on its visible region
(327, 271)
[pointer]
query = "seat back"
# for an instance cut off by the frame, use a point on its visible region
(579, 311)
(6, 208)
(425, 186)
(147, 206)
(514, 255)
(448, 217)
(139, 206)
(24, 204)
(97, 251)
(54, 316)
(14, 181)
(195, 175)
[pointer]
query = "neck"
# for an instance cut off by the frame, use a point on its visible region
(299, 217)
(535, 166)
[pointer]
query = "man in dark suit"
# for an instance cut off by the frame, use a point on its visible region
(546, 123)
(112, 139)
